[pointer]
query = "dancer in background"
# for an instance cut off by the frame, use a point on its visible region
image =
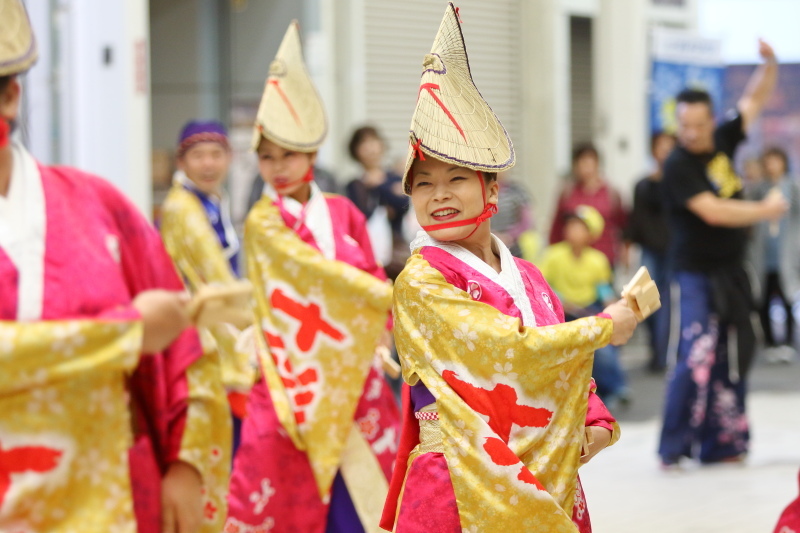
(704, 415)
(789, 522)
(199, 236)
(319, 440)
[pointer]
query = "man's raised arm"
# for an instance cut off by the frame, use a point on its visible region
(759, 87)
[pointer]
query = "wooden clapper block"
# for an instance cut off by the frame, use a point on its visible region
(390, 366)
(642, 294)
(230, 304)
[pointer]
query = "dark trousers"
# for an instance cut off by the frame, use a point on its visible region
(772, 290)
(704, 411)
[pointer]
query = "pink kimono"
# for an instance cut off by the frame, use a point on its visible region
(416, 496)
(789, 521)
(272, 484)
(98, 253)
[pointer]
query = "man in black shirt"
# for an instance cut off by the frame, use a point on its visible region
(708, 220)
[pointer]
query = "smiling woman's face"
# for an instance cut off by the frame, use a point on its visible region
(443, 192)
(284, 169)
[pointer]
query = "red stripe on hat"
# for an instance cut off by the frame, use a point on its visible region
(430, 87)
(286, 101)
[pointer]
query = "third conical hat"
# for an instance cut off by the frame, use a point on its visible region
(17, 43)
(452, 122)
(291, 113)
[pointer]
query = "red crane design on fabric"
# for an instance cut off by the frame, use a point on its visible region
(286, 100)
(430, 88)
(501, 405)
(25, 459)
(300, 386)
(311, 321)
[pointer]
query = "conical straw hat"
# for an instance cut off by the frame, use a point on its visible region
(452, 122)
(17, 44)
(291, 113)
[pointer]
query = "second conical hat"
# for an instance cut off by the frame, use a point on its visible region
(17, 43)
(291, 113)
(452, 122)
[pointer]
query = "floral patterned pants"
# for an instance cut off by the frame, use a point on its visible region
(704, 409)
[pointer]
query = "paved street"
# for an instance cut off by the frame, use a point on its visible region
(628, 493)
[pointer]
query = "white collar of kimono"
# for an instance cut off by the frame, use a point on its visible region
(23, 227)
(223, 202)
(509, 277)
(314, 214)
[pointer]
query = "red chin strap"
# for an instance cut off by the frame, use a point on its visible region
(307, 178)
(489, 210)
(5, 133)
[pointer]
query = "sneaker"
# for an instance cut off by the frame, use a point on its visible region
(773, 354)
(786, 354)
(779, 354)
(670, 466)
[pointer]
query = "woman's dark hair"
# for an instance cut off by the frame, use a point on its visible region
(359, 136)
(583, 149)
(777, 152)
(4, 81)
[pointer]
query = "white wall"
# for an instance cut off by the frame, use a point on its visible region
(620, 61)
(38, 120)
(176, 91)
(739, 23)
(256, 33)
(93, 88)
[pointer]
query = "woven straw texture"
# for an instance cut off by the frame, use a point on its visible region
(291, 113)
(452, 122)
(17, 44)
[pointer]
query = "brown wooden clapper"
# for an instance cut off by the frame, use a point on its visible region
(642, 294)
(230, 304)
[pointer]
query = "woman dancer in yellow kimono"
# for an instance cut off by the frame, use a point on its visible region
(501, 391)
(200, 238)
(94, 438)
(320, 436)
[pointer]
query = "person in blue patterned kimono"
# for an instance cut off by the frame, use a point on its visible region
(704, 414)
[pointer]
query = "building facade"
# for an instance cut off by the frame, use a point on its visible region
(555, 72)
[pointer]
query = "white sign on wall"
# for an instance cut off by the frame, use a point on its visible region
(679, 46)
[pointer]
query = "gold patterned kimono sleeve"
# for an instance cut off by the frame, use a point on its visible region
(65, 429)
(511, 400)
(194, 248)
